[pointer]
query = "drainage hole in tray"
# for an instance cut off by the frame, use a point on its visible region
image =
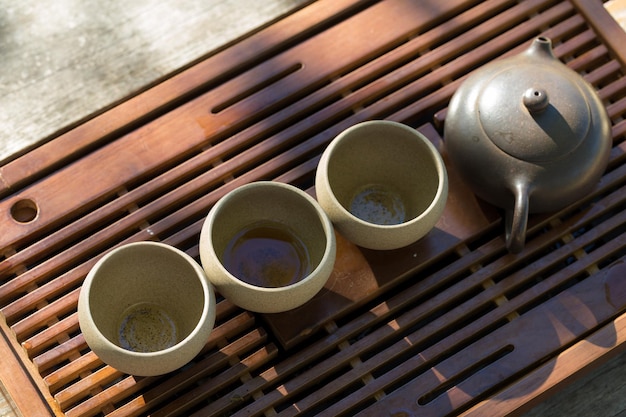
(24, 211)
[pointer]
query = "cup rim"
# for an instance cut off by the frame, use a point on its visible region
(321, 214)
(202, 321)
(436, 156)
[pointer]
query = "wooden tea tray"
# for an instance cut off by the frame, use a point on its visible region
(450, 325)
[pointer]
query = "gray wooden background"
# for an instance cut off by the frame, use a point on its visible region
(61, 60)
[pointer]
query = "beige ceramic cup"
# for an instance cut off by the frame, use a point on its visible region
(383, 184)
(146, 308)
(267, 247)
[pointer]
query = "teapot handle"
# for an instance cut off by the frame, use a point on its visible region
(517, 219)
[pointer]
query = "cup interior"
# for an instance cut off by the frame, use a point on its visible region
(146, 298)
(383, 173)
(291, 237)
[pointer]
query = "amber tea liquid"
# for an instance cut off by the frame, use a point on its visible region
(267, 254)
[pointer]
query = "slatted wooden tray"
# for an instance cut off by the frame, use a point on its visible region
(453, 324)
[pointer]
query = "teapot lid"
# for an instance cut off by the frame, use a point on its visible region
(534, 108)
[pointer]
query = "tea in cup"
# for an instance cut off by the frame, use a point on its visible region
(267, 247)
(146, 308)
(382, 183)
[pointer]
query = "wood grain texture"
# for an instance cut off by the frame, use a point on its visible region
(62, 62)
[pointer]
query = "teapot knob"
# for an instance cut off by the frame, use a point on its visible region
(536, 99)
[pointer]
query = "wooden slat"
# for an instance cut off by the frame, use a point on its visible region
(72, 371)
(85, 387)
(60, 353)
(51, 335)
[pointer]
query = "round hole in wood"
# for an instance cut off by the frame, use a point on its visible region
(24, 211)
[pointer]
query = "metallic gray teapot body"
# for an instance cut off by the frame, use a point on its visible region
(528, 134)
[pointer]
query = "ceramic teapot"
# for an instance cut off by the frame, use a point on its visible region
(528, 134)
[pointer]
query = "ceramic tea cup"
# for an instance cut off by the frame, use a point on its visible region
(146, 308)
(267, 247)
(382, 183)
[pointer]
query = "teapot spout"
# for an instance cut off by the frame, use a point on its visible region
(541, 47)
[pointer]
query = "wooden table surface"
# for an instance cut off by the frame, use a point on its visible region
(65, 62)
